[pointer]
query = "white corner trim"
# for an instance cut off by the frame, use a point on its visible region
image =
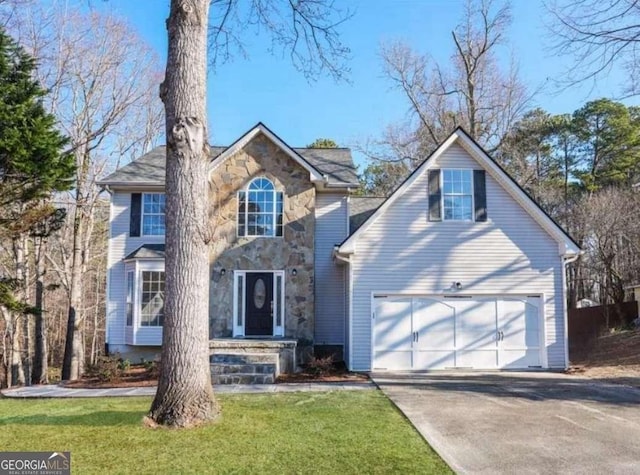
(314, 175)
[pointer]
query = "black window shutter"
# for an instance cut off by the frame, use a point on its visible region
(480, 195)
(135, 217)
(435, 214)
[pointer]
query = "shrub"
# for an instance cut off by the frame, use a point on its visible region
(108, 368)
(320, 365)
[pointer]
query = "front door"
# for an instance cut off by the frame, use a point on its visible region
(259, 304)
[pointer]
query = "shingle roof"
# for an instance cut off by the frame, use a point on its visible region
(334, 162)
(147, 251)
(360, 208)
(149, 169)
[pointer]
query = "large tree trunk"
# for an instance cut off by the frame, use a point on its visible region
(185, 395)
(40, 358)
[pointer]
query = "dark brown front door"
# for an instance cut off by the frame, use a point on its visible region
(259, 304)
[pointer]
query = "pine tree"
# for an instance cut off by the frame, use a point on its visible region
(31, 163)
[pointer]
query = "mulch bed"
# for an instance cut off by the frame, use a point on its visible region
(136, 377)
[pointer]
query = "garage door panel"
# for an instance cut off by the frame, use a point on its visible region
(393, 324)
(434, 359)
(519, 358)
(518, 320)
(434, 323)
(478, 359)
(393, 359)
(476, 324)
(393, 334)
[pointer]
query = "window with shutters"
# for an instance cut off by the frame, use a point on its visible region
(153, 207)
(457, 195)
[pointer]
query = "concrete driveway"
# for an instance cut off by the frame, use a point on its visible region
(503, 422)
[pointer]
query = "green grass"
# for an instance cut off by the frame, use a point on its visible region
(336, 432)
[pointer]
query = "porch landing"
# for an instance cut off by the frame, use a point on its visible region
(279, 352)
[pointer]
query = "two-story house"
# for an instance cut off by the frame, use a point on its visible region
(459, 267)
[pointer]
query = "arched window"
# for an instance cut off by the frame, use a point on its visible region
(260, 209)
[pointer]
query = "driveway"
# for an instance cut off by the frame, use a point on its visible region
(503, 422)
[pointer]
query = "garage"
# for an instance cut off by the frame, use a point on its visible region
(439, 332)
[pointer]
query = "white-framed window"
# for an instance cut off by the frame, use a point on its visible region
(457, 195)
(153, 214)
(152, 298)
(145, 293)
(260, 209)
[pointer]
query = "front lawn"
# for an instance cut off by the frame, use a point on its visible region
(336, 432)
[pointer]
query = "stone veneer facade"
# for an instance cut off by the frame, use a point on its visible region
(295, 250)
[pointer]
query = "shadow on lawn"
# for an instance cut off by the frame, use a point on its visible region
(92, 419)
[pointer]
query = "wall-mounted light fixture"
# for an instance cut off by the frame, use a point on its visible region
(294, 272)
(458, 285)
(223, 271)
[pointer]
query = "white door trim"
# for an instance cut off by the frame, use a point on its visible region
(239, 310)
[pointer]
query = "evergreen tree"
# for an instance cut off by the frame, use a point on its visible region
(31, 163)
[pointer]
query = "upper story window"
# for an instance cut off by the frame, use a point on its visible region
(260, 209)
(153, 214)
(457, 195)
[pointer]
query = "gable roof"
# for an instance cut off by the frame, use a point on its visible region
(332, 166)
(567, 246)
(360, 209)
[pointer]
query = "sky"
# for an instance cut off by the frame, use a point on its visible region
(266, 88)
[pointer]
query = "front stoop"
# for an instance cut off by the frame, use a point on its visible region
(248, 361)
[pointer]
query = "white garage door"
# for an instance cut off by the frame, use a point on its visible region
(456, 332)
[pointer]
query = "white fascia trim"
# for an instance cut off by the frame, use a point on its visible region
(314, 175)
(349, 246)
(566, 246)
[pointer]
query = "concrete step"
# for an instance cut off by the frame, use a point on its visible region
(243, 378)
(230, 368)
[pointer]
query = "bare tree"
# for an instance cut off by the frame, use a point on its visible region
(597, 35)
(607, 224)
(102, 80)
(472, 91)
(306, 30)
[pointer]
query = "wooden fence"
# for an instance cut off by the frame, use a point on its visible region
(586, 324)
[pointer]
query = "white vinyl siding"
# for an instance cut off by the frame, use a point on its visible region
(120, 245)
(331, 229)
(403, 252)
